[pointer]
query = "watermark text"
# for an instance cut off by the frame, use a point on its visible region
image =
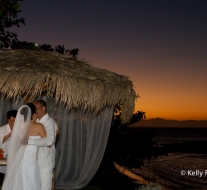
(194, 173)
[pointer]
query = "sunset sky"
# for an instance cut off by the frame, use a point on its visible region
(160, 44)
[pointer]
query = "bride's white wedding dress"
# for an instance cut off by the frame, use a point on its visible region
(22, 171)
(27, 176)
(30, 168)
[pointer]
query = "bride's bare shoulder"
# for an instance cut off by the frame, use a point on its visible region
(37, 129)
(35, 125)
(39, 125)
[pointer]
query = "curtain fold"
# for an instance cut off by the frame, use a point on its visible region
(80, 144)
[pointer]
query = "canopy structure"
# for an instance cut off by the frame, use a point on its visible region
(80, 97)
(73, 82)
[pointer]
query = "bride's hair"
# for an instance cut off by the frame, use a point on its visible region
(32, 107)
(24, 112)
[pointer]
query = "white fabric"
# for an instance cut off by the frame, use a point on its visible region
(5, 106)
(80, 144)
(29, 168)
(46, 156)
(4, 130)
(17, 146)
(46, 178)
(28, 171)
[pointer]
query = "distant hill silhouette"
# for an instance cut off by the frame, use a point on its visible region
(160, 122)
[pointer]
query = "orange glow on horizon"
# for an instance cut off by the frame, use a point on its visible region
(173, 111)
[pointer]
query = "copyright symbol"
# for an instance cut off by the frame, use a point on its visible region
(183, 172)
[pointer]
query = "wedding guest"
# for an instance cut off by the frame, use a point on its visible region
(5, 133)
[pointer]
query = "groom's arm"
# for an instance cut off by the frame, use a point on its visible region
(49, 140)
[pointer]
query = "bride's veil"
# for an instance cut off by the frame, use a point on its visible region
(17, 145)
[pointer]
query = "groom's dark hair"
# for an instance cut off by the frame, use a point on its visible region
(32, 107)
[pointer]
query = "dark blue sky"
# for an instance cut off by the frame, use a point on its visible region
(160, 44)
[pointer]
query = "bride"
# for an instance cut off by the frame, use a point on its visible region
(22, 170)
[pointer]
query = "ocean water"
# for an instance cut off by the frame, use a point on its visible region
(185, 167)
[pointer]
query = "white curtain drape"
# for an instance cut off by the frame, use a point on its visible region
(80, 144)
(7, 105)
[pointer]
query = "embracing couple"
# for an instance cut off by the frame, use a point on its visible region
(31, 152)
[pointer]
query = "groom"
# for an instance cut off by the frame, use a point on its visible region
(46, 155)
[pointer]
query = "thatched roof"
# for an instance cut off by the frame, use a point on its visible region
(73, 82)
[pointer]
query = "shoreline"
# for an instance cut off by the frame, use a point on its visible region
(137, 179)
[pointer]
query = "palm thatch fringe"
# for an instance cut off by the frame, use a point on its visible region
(72, 82)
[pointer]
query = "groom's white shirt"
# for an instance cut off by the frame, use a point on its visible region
(46, 156)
